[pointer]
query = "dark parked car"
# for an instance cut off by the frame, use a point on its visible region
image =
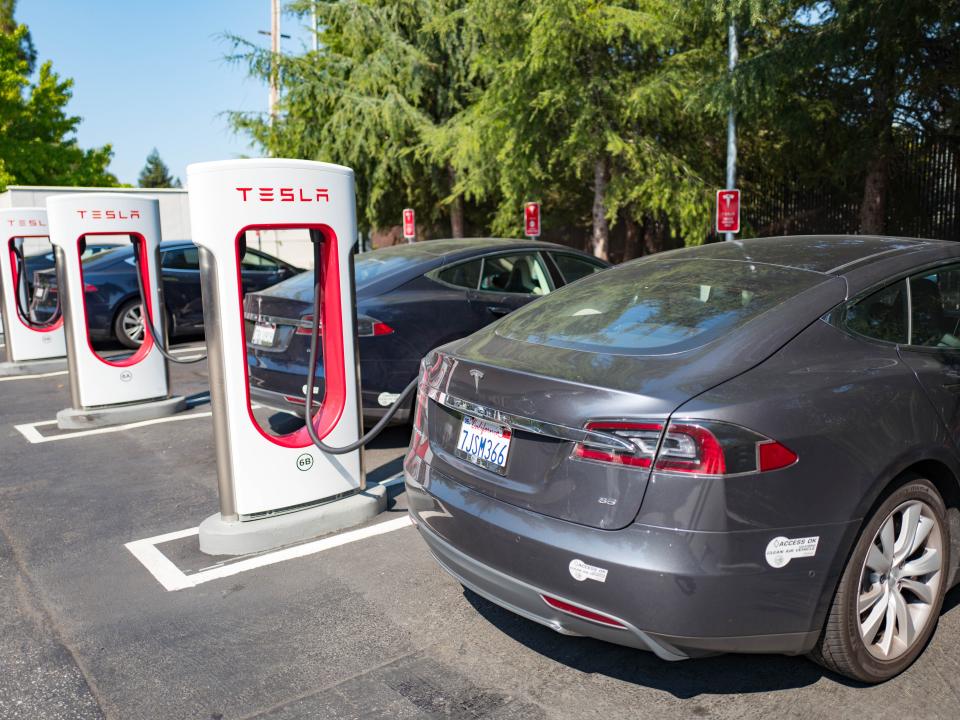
(113, 301)
(45, 261)
(742, 447)
(410, 299)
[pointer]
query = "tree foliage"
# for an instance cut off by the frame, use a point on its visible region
(156, 174)
(387, 76)
(37, 142)
(611, 113)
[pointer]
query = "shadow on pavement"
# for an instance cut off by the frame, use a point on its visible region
(720, 675)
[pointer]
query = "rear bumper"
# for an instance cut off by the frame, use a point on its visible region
(678, 594)
(278, 401)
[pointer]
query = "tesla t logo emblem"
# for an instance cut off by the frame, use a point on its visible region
(284, 194)
(477, 375)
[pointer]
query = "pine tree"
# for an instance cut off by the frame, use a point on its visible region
(387, 79)
(156, 174)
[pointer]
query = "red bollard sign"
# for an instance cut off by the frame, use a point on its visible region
(531, 219)
(409, 224)
(728, 211)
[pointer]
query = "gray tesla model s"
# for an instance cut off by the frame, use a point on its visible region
(742, 447)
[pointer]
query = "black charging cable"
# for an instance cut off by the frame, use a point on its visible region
(17, 291)
(312, 372)
(148, 321)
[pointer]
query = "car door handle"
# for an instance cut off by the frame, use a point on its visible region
(498, 310)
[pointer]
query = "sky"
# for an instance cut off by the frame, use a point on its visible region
(152, 73)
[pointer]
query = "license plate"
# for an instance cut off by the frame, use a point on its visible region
(38, 293)
(484, 443)
(264, 334)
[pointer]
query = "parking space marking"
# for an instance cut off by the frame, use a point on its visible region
(30, 432)
(172, 578)
(33, 377)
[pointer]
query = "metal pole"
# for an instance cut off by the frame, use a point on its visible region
(733, 54)
(274, 55)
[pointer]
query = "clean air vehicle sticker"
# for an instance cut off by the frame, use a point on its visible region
(782, 550)
(581, 571)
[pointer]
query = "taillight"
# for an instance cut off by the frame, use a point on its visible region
(643, 435)
(366, 326)
(370, 327)
(419, 441)
(88, 288)
(305, 327)
(700, 447)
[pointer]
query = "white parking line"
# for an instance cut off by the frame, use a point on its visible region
(172, 578)
(33, 377)
(30, 432)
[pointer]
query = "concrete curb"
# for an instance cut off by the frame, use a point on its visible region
(86, 418)
(32, 367)
(218, 537)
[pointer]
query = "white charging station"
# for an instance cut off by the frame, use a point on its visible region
(109, 391)
(30, 346)
(277, 489)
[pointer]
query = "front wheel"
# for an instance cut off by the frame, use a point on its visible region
(128, 325)
(890, 594)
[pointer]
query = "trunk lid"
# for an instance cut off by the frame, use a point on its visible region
(542, 391)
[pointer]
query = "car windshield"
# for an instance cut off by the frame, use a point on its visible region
(656, 307)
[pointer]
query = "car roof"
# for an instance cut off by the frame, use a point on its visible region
(829, 254)
(861, 261)
(447, 250)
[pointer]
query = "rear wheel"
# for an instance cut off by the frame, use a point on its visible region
(128, 324)
(889, 598)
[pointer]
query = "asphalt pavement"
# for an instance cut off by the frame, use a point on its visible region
(367, 629)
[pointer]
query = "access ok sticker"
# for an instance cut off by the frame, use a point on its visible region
(782, 550)
(582, 571)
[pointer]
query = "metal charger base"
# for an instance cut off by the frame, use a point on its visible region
(31, 367)
(86, 418)
(242, 537)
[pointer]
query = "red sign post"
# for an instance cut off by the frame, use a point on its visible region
(409, 225)
(531, 219)
(728, 211)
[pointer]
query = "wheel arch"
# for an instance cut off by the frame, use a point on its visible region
(943, 473)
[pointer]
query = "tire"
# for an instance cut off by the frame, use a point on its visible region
(122, 325)
(898, 573)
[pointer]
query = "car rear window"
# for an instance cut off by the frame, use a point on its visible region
(371, 266)
(656, 306)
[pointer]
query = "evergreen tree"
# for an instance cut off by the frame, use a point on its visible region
(584, 108)
(156, 174)
(388, 77)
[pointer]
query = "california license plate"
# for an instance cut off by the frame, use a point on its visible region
(264, 334)
(484, 443)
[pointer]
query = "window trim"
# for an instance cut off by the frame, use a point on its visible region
(551, 286)
(595, 262)
(837, 315)
(434, 274)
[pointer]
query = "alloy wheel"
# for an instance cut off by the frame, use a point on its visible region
(132, 324)
(900, 580)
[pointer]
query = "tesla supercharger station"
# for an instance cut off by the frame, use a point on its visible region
(103, 390)
(31, 346)
(278, 489)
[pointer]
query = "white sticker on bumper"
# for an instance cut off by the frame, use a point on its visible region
(782, 550)
(582, 571)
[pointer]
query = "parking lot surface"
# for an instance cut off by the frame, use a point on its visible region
(370, 628)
